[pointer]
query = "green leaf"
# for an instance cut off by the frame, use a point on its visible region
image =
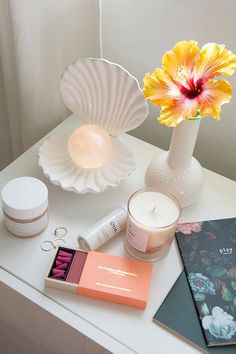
(218, 284)
(198, 114)
(217, 271)
(233, 284)
(196, 117)
(231, 273)
(226, 294)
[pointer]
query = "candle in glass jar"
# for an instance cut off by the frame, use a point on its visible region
(152, 221)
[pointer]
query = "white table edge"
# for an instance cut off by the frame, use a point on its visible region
(62, 313)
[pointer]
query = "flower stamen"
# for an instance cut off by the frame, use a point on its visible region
(181, 73)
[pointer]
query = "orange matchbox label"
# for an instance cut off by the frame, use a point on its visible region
(116, 279)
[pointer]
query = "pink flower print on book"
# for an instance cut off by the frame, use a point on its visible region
(188, 228)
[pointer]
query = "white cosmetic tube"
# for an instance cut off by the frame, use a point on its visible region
(104, 230)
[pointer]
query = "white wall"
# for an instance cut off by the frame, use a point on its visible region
(137, 32)
(38, 40)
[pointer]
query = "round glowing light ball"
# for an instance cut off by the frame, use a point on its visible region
(89, 146)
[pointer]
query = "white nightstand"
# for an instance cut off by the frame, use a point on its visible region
(116, 328)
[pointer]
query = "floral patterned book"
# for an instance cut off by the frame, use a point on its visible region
(208, 250)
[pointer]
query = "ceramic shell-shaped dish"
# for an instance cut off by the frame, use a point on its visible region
(101, 93)
(62, 171)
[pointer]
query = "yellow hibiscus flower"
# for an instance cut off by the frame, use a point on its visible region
(184, 87)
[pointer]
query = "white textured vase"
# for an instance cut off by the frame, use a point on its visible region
(176, 171)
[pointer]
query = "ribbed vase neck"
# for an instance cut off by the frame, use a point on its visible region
(182, 143)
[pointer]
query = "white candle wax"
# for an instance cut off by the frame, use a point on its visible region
(152, 220)
(153, 209)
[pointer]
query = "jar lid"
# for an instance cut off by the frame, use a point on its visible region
(24, 198)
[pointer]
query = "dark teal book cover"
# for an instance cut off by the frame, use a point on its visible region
(208, 251)
(178, 315)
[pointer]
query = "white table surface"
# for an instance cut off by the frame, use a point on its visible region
(118, 328)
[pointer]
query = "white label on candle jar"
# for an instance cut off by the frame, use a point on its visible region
(137, 237)
(152, 219)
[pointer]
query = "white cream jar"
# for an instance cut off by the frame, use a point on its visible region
(25, 206)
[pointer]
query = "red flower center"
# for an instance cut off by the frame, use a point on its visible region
(193, 90)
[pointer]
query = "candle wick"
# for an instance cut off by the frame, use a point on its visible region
(154, 209)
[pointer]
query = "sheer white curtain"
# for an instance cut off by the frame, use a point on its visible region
(38, 39)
